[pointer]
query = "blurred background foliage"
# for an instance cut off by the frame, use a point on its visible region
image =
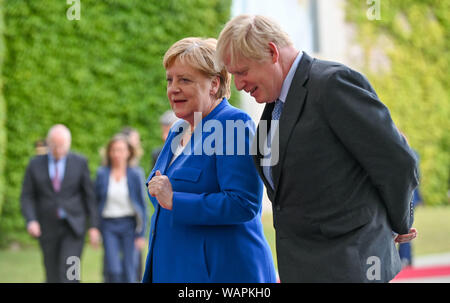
(407, 56)
(95, 75)
(2, 112)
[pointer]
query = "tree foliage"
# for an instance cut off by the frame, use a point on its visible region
(95, 75)
(414, 35)
(2, 114)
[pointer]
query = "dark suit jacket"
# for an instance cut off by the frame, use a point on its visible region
(136, 190)
(343, 182)
(76, 197)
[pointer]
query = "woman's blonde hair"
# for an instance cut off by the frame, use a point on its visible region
(199, 53)
(248, 36)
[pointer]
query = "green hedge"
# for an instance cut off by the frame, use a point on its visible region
(94, 75)
(414, 37)
(2, 114)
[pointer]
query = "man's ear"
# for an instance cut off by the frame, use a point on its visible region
(274, 52)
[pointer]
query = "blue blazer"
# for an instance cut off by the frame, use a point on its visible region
(136, 191)
(213, 232)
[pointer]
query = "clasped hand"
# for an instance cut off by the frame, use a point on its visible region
(161, 188)
(406, 237)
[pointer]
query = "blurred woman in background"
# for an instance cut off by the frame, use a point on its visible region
(122, 211)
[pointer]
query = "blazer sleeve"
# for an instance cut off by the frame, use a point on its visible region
(141, 189)
(364, 125)
(98, 187)
(28, 198)
(240, 196)
(89, 195)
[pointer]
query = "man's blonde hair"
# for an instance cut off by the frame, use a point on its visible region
(199, 53)
(248, 36)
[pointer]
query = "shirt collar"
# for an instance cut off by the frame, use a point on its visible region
(52, 159)
(288, 80)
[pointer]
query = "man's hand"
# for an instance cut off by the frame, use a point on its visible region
(407, 237)
(161, 188)
(34, 229)
(94, 237)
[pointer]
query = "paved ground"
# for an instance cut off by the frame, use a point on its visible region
(427, 269)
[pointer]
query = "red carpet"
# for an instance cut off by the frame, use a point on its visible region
(423, 272)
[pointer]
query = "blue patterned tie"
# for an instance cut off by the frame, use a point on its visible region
(276, 113)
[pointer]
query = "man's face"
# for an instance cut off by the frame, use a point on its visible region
(59, 144)
(261, 79)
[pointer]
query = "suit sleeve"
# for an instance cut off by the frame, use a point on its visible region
(240, 196)
(89, 196)
(28, 198)
(364, 126)
(97, 187)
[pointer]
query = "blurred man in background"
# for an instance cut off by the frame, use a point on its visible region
(57, 199)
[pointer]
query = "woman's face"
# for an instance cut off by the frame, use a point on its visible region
(119, 153)
(189, 91)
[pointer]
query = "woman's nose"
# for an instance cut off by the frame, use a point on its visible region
(173, 88)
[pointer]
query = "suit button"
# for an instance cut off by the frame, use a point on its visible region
(278, 207)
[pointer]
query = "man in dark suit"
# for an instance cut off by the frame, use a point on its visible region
(340, 175)
(57, 199)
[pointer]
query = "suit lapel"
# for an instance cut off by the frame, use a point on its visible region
(46, 172)
(67, 171)
(260, 140)
(291, 112)
(166, 160)
(167, 153)
(105, 186)
(130, 183)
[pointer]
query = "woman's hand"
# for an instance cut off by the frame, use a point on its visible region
(139, 243)
(161, 188)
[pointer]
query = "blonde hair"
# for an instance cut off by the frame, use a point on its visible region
(248, 36)
(199, 53)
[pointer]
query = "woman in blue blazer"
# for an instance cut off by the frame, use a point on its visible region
(121, 200)
(204, 187)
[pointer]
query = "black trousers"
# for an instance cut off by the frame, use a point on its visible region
(59, 249)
